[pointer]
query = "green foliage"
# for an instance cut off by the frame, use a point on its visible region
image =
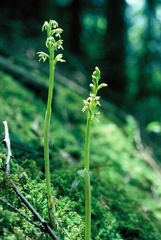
(154, 127)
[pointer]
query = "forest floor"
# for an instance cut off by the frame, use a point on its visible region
(125, 178)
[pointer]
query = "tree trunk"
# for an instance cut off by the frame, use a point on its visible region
(75, 26)
(146, 69)
(114, 61)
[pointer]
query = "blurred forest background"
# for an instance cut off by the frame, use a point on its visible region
(123, 38)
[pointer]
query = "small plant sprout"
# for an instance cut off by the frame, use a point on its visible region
(53, 43)
(89, 105)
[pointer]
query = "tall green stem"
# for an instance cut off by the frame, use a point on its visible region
(87, 141)
(90, 103)
(47, 129)
(53, 43)
(87, 179)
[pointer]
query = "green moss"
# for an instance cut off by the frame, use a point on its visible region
(125, 190)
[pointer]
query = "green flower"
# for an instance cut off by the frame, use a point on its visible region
(42, 56)
(58, 58)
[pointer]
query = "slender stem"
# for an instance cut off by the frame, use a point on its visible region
(87, 179)
(47, 129)
(87, 205)
(90, 103)
(52, 44)
(87, 141)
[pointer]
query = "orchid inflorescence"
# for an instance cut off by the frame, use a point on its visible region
(53, 41)
(93, 100)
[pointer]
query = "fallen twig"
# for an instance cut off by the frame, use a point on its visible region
(6, 140)
(19, 212)
(44, 223)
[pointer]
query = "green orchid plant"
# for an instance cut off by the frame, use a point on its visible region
(53, 43)
(90, 105)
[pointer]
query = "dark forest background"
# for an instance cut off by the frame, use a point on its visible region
(123, 38)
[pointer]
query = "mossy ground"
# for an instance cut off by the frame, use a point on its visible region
(126, 191)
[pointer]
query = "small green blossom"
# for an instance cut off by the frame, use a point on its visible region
(101, 86)
(57, 32)
(59, 44)
(42, 56)
(53, 23)
(49, 25)
(45, 26)
(58, 58)
(50, 43)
